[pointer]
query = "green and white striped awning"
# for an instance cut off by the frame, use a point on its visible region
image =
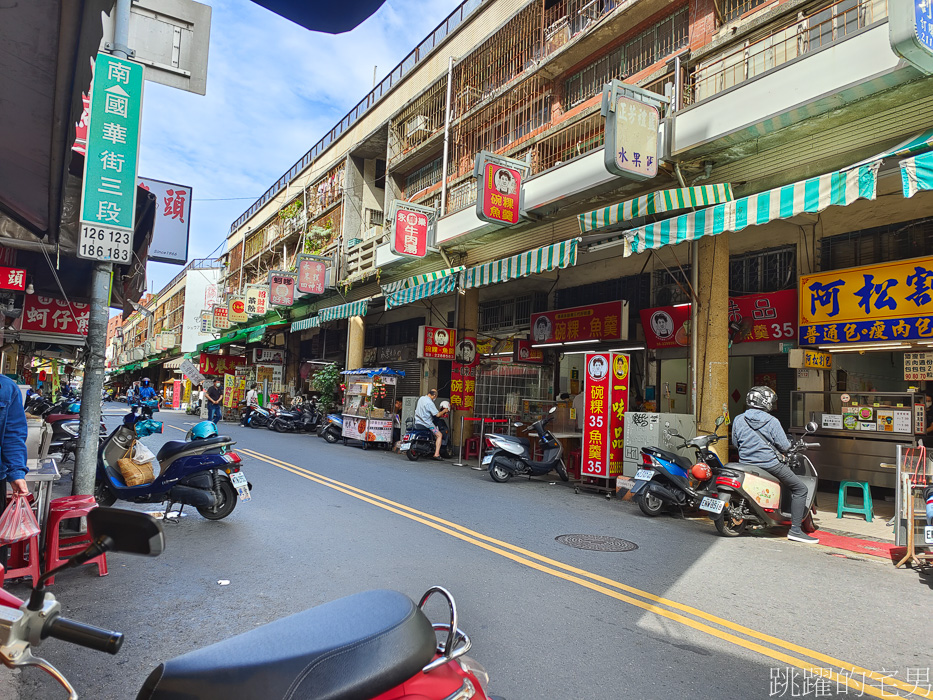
(655, 203)
(334, 313)
(418, 280)
(444, 285)
(917, 174)
(306, 323)
(549, 257)
(808, 196)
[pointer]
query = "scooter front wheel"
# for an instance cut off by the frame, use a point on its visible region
(650, 504)
(330, 436)
(104, 495)
(562, 471)
(727, 526)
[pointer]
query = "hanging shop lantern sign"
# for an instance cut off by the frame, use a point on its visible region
(499, 193)
(236, 309)
(213, 364)
(282, 287)
(219, 319)
(50, 315)
(268, 356)
(410, 228)
(606, 392)
(633, 120)
(312, 274)
(436, 343)
(257, 299)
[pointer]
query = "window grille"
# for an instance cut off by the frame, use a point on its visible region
(764, 271)
(877, 245)
(733, 9)
(501, 388)
(672, 287)
(422, 178)
(509, 314)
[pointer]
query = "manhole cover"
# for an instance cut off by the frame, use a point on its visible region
(597, 543)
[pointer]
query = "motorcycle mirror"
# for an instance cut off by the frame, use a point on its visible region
(812, 427)
(720, 421)
(553, 408)
(517, 425)
(131, 531)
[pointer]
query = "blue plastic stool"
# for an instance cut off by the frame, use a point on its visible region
(843, 507)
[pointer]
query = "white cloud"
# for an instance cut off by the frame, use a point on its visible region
(273, 90)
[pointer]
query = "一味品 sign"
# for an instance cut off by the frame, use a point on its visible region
(606, 397)
(884, 302)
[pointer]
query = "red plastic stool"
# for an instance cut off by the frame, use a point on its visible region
(23, 560)
(574, 466)
(471, 447)
(58, 548)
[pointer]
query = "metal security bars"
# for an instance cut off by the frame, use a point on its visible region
(423, 178)
(510, 314)
(419, 121)
(733, 9)
(803, 34)
(501, 388)
(763, 271)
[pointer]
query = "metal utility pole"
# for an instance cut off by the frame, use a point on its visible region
(86, 457)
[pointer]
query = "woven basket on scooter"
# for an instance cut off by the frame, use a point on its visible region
(134, 474)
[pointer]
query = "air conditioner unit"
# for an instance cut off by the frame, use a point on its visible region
(416, 124)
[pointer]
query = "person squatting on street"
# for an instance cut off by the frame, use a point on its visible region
(761, 442)
(13, 432)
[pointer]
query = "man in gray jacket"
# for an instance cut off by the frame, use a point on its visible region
(761, 441)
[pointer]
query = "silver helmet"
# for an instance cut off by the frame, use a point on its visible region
(762, 397)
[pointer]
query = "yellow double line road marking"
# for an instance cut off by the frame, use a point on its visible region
(852, 675)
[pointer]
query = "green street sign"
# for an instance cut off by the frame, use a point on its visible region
(108, 199)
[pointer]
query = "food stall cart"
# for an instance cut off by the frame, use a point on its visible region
(369, 405)
(859, 432)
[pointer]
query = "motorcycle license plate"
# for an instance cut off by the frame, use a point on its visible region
(238, 479)
(644, 475)
(487, 459)
(404, 447)
(712, 505)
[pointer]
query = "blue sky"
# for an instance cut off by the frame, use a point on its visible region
(273, 89)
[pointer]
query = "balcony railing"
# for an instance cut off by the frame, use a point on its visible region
(796, 38)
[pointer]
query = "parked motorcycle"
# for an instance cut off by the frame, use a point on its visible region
(332, 428)
(64, 420)
(377, 644)
(298, 419)
(669, 479)
(203, 473)
(420, 442)
(511, 456)
(259, 417)
(193, 408)
(749, 496)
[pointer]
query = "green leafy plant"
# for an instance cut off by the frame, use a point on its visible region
(327, 380)
(317, 239)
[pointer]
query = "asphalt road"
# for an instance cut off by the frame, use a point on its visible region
(687, 614)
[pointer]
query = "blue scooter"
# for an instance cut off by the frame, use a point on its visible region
(201, 472)
(669, 479)
(332, 428)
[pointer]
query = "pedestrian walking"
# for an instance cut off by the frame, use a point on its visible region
(13, 433)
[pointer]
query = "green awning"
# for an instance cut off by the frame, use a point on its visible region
(444, 285)
(655, 203)
(917, 174)
(418, 280)
(810, 196)
(306, 323)
(242, 335)
(354, 308)
(549, 257)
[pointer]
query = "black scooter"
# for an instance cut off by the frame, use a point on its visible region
(420, 442)
(511, 456)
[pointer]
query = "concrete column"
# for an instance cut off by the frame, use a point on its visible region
(712, 330)
(467, 324)
(356, 339)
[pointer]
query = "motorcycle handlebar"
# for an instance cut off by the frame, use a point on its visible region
(84, 635)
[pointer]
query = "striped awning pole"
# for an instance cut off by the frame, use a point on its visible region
(917, 174)
(808, 196)
(655, 203)
(418, 280)
(445, 285)
(550, 257)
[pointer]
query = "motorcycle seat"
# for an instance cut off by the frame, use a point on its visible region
(753, 469)
(176, 447)
(357, 647)
(511, 438)
(55, 417)
(680, 461)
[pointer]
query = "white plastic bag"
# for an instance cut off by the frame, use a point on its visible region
(142, 454)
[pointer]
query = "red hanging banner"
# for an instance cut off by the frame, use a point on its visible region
(606, 392)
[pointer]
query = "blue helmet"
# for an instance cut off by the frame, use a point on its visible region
(203, 430)
(74, 407)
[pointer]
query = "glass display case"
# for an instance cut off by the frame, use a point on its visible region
(369, 404)
(859, 431)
